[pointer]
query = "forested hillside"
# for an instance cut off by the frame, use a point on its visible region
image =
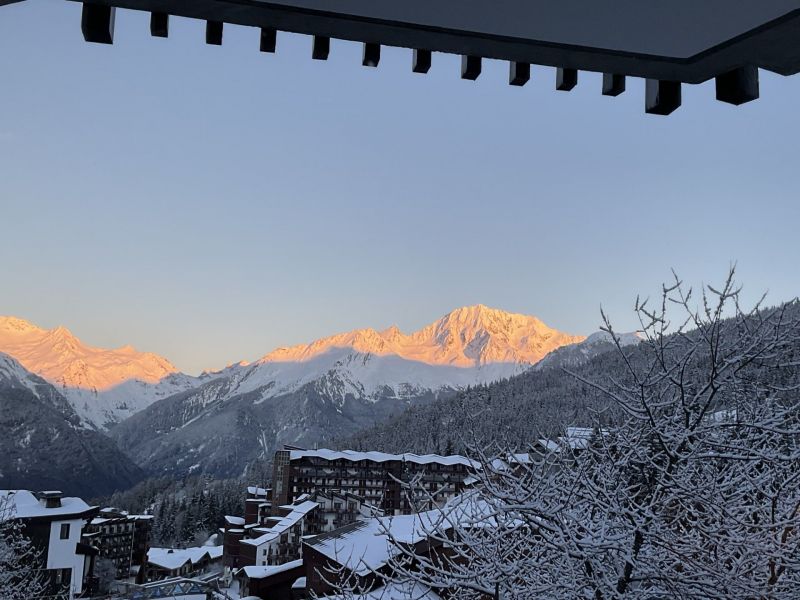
(510, 413)
(186, 511)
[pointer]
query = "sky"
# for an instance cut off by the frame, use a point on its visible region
(213, 203)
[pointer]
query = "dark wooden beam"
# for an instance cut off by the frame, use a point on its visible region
(372, 55)
(159, 24)
(421, 61)
(214, 33)
(613, 85)
(738, 86)
(97, 23)
(662, 97)
(470, 67)
(566, 79)
(269, 39)
(320, 47)
(519, 73)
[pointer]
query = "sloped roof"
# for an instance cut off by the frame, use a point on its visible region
(379, 457)
(171, 559)
(299, 511)
(364, 545)
(22, 504)
(268, 571)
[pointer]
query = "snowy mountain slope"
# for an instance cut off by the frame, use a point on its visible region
(466, 337)
(44, 445)
(310, 393)
(577, 354)
(103, 386)
(470, 345)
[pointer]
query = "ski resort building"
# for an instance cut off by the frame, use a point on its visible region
(123, 539)
(277, 540)
(381, 479)
(270, 537)
(362, 553)
(54, 525)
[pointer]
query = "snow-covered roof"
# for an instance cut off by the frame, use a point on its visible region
(299, 511)
(263, 572)
(576, 438)
(171, 559)
(299, 583)
(257, 491)
(380, 457)
(511, 460)
(22, 504)
(234, 520)
(112, 514)
(364, 546)
(393, 591)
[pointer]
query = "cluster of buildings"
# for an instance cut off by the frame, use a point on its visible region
(321, 497)
(330, 516)
(327, 511)
(71, 541)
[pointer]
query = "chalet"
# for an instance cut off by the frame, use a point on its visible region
(163, 563)
(54, 525)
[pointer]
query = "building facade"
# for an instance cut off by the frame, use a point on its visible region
(396, 483)
(54, 525)
(123, 539)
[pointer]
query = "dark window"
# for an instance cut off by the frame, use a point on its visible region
(65, 531)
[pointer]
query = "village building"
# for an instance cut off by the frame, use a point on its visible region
(269, 535)
(279, 537)
(275, 582)
(360, 552)
(123, 539)
(379, 478)
(54, 524)
(163, 563)
(361, 556)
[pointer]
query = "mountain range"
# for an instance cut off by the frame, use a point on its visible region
(103, 386)
(43, 444)
(169, 422)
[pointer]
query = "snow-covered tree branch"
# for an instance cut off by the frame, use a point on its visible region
(20, 577)
(692, 491)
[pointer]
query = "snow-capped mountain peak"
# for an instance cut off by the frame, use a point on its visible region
(104, 385)
(467, 337)
(60, 357)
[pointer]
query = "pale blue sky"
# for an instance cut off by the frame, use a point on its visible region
(212, 203)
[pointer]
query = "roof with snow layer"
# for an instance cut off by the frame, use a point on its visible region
(379, 457)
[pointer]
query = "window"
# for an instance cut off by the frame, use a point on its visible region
(65, 531)
(62, 576)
